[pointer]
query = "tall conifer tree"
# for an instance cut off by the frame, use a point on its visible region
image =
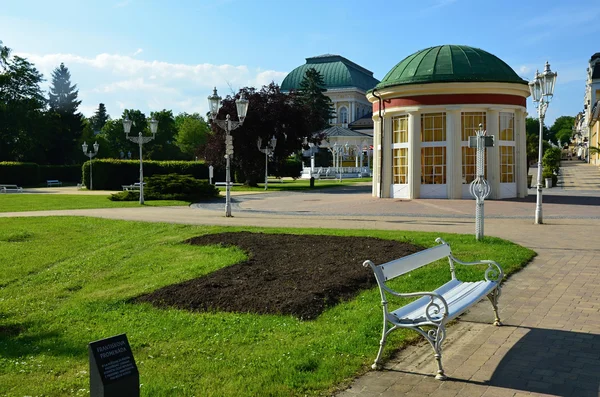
(318, 106)
(67, 121)
(99, 118)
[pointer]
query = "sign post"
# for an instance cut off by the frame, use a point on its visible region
(480, 188)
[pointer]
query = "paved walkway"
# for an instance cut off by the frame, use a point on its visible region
(550, 343)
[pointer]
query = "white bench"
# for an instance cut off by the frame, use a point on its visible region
(135, 186)
(429, 314)
(53, 182)
(10, 188)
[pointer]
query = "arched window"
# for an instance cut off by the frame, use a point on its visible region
(343, 115)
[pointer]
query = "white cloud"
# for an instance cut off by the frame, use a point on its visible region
(524, 69)
(122, 81)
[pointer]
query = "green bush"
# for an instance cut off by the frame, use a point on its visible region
(22, 174)
(291, 168)
(171, 187)
(110, 174)
(551, 160)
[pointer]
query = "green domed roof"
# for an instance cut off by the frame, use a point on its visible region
(450, 63)
(337, 72)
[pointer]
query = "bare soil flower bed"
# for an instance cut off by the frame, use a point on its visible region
(298, 275)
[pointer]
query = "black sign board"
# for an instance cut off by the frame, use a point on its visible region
(488, 141)
(113, 372)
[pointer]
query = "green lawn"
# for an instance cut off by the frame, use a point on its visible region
(65, 282)
(16, 202)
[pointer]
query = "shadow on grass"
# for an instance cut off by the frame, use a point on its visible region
(16, 340)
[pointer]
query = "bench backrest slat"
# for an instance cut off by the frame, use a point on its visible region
(406, 264)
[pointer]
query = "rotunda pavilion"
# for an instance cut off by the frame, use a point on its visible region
(424, 111)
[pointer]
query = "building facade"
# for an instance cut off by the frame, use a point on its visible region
(346, 82)
(588, 127)
(426, 108)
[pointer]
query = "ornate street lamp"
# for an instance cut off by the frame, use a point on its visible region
(90, 154)
(241, 104)
(542, 90)
(268, 151)
(140, 140)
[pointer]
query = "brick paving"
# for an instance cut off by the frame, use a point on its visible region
(550, 341)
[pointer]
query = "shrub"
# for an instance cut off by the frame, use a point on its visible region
(551, 159)
(171, 187)
(291, 168)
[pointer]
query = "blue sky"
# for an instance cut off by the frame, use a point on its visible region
(152, 55)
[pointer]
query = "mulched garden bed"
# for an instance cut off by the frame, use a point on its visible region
(299, 275)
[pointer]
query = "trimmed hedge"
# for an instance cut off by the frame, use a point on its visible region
(64, 173)
(22, 174)
(110, 174)
(32, 174)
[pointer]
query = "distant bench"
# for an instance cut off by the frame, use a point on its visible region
(10, 188)
(429, 314)
(53, 182)
(135, 186)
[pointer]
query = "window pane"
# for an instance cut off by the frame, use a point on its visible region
(400, 166)
(433, 127)
(433, 165)
(470, 123)
(507, 162)
(400, 133)
(507, 122)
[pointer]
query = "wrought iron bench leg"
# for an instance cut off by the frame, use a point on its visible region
(377, 364)
(493, 297)
(435, 337)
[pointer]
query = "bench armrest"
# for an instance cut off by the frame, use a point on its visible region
(494, 271)
(437, 304)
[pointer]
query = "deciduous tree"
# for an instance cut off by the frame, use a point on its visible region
(270, 113)
(192, 132)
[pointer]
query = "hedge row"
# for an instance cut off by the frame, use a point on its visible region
(32, 174)
(112, 174)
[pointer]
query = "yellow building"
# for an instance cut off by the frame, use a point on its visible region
(424, 111)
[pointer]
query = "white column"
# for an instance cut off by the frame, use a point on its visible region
(376, 159)
(453, 152)
(386, 150)
(521, 152)
(414, 154)
(493, 153)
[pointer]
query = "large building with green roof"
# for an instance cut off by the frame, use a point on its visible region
(347, 84)
(426, 108)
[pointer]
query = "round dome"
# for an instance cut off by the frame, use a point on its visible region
(448, 64)
(337, 72)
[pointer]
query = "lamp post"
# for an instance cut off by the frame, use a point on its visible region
(542, 90)
(268, 151)
(241, 104)
(90, 154)
(140, 140)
